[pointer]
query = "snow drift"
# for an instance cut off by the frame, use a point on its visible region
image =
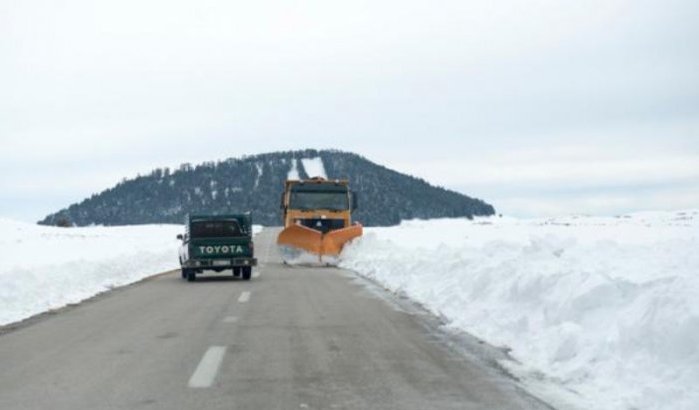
(607, 308)
(44, 268)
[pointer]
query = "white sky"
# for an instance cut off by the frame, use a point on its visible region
(540, 107)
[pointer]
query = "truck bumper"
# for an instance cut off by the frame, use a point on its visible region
(220, 263)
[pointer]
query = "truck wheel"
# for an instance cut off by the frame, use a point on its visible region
(247, 272)
(191, 275)
(184, 273)
(236, 271)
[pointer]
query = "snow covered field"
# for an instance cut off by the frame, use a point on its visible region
(606, 308)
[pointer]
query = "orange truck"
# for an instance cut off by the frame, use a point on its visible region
(317, 218)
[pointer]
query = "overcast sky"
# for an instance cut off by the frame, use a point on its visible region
(540, 107)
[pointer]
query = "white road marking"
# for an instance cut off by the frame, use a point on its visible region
(205, 373)
(230, 319)
(244, 297)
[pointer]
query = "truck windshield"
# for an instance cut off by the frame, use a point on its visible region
(333, 201)
(214, 229)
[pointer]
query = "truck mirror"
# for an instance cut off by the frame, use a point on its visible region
(180, 237)
(355, 200)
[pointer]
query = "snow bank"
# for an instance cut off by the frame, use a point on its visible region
(44, 268)
(606, 307)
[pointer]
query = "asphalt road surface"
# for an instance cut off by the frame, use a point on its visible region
(291, 338)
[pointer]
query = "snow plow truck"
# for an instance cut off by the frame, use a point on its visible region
(317, 217)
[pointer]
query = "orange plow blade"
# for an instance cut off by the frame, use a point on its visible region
(304, 239)
(333, 241)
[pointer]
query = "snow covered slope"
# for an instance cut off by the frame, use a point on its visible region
(314, 167)
(293, 172)
(607, 308)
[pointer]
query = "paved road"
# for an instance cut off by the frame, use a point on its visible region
(292, 338)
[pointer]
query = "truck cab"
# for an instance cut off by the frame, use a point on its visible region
(217, 243)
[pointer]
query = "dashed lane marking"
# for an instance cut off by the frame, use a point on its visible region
(244, 297)
(205, 373)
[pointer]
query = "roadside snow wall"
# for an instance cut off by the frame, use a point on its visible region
(44, 268)
(607, 308)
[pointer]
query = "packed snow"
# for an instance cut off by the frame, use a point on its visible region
(44, 268)
(314, 167)
(606, 309)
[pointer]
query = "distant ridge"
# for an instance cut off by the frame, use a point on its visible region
(254, 183)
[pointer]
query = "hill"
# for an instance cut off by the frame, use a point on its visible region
(255, 183)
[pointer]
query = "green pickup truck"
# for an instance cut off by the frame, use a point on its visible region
(217, 242)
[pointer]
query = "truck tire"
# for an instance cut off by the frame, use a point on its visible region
(191, 275)
(184, 273)
(247, 272)
(236, 271)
